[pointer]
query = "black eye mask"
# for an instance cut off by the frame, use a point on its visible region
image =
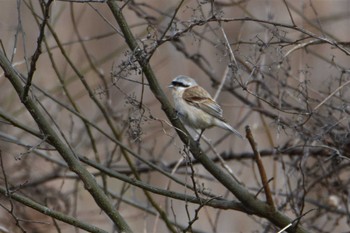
(179, 84)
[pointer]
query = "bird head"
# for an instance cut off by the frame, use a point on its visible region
(182, 82)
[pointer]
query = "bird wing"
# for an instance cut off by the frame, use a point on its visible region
(200, 98)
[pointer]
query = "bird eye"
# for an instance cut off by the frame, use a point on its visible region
(179, 84)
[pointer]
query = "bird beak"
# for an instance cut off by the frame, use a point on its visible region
(171, 86)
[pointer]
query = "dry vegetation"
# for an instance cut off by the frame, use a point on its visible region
(89, 140)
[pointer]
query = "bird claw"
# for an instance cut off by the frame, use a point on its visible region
(199, 137)
(176, 115)
(197, 141)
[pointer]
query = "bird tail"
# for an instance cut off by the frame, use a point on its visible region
(228, 127)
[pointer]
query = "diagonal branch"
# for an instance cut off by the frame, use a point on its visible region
(261, 208)
(68, 155)
(49, 212)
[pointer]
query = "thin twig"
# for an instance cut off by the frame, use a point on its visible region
(36, 55)
(224, 76)
(302, 45)
(50, 212)
(261, 21)
(54, 139)
(240, 192)
(261, 167)
(171, 21)
(333, 93)
(232, 58)
(297, 219)
(222, 161)
(290, 14)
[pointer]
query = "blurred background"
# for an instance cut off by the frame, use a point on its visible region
(289, 84)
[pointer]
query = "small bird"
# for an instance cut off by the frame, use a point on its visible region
(195, 106)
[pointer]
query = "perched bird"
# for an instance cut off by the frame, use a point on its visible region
(195, 106)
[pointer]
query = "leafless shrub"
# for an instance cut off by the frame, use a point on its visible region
(90, 140)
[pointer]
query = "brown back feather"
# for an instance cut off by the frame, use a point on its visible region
(200, 98)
